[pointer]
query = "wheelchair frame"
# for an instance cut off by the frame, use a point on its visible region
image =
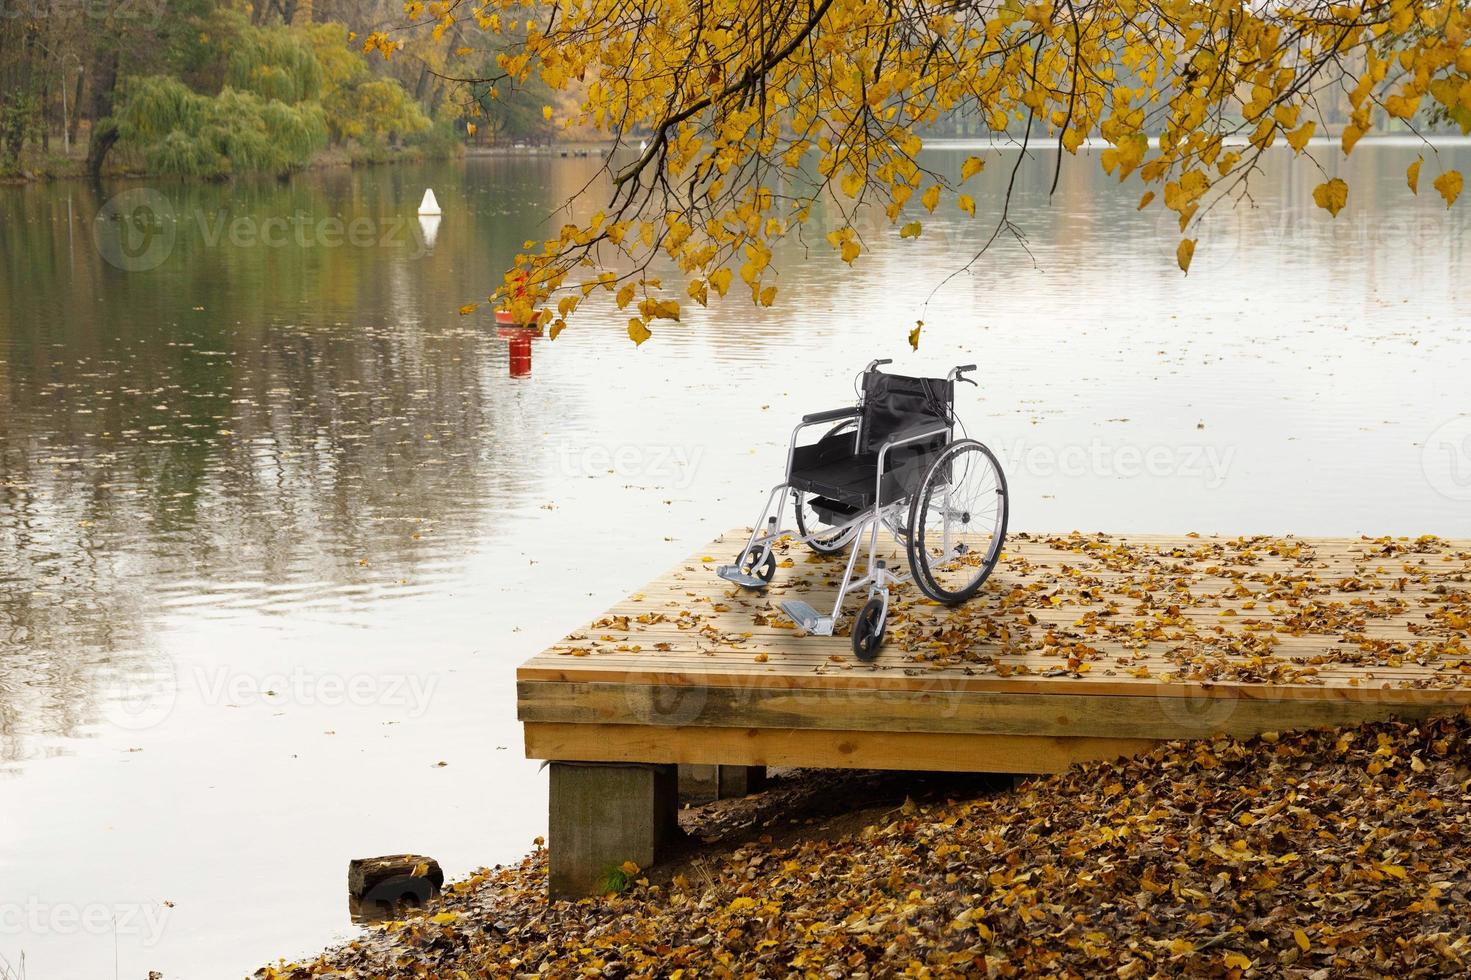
(878, 577)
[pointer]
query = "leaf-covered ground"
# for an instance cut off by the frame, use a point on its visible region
(1369, 613)
(1317, 855)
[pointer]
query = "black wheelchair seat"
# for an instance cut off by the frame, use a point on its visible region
(842, 466)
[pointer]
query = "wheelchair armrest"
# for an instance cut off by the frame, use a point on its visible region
(831, 415)
(913, 433)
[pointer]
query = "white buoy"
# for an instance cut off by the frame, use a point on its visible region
(429, 225)
(429, 205)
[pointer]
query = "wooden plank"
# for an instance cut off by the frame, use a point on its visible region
(826, 749)
(702, 672)
(812, 651)
(940, 710)
(720, 674)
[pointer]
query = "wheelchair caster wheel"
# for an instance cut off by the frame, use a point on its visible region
(868, 629)
(765, 570)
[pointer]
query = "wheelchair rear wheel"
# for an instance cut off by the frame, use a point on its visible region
(957, 522)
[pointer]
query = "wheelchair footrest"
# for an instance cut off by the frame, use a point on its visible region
(732, 573)
(808, 620)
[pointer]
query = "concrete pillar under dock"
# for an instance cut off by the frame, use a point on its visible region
(602, 815)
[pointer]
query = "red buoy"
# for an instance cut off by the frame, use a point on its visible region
(518, 339)
(517, 335)
(506, 318)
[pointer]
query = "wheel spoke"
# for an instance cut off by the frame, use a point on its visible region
(958, 522)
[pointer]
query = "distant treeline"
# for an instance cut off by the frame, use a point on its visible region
(210, 88)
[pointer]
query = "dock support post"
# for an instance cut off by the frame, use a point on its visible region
(603, 814)
(702, 783)
(734, 781)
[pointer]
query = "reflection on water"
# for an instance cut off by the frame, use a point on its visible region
(276, 523)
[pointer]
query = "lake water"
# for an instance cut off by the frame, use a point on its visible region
(276, 524)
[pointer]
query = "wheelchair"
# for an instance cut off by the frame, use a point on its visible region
(891, 462)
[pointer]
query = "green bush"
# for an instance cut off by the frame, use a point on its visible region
(275, 63)
(185, 133)
(373, 110)
(285, 93)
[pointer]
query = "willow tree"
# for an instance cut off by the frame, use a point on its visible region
(748, 113)
(183, 132)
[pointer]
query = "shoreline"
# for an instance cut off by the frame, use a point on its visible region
(74, 168)
(1217, 857)
(592, 149)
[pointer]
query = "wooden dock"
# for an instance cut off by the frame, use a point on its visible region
(1079, 647)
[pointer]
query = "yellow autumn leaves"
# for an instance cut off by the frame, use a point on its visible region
(1325, 853)
(763, 121)
(1332, 195)
(1184, 252)
(1449, 185)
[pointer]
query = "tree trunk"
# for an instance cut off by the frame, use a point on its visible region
(76, 109)
(104, 135)
(44, 116)
(104, 85)
(104, 130)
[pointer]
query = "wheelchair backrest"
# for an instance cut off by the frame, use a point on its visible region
(892, 402)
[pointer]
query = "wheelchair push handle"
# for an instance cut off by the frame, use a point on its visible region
(958, 374)
(878, 363)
